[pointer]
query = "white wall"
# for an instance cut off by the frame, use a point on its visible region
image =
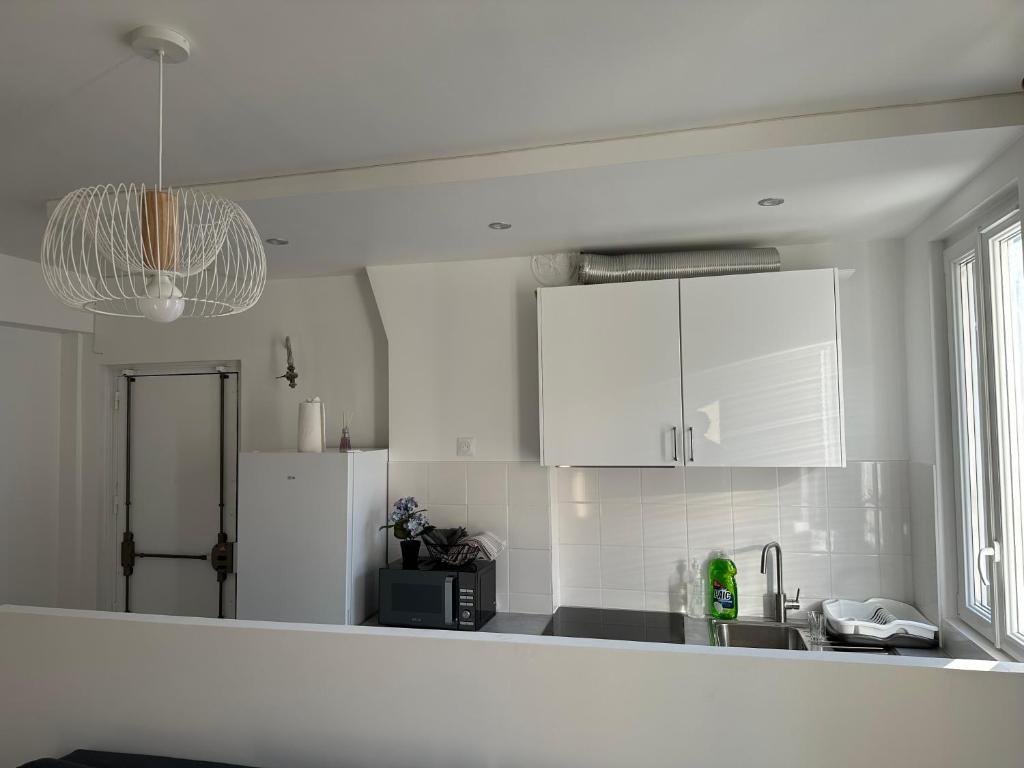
(30, 455)
(462, 351)
(308, 697)
(339, 349)
(27, 301)
(462, 345)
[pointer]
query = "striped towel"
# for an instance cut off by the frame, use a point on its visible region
(490, 546)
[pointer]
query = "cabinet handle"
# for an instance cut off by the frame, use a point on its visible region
(675, 443)
(690, 430)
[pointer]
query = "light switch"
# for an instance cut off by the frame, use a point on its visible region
(465, 446)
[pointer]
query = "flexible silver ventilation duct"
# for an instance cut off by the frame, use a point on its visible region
(594, 268)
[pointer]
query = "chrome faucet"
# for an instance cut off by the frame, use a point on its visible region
(780, 603)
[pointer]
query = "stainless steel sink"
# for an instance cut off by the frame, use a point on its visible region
(757, 634)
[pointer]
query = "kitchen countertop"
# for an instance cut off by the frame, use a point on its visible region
(638, 626)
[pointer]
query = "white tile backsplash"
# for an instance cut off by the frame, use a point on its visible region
(894, 531)
(528, 486)
(803, 487)
(664, 525)
(708, 485)
(524, 603)
(511, 500)
(810, 573)
(753, 527)
(857, 577)
(492, 518)
(708, 527)
(662, 486)
(487, 483)
(622, 568)
(577, 485)
(407, 478)
(446, 482)
(579, 523)
(579, 566)
(624, 536)
(529, 527)
(663, 568)
(855, 485)
(448, 515)
(804, 529)
(853, 531)
(626, 599)
(755, 487)
(621, 523)
(844, 532)
(619, 484)
(529, 571)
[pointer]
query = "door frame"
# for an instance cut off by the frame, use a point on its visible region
(114, 476)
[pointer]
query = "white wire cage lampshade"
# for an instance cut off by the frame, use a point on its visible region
(128, 250)
(155, 252)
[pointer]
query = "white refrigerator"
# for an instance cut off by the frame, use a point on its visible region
(309, 543)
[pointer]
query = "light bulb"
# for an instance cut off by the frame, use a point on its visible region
(164, 303)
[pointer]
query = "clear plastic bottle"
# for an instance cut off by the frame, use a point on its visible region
(685, 586)
(696, 593)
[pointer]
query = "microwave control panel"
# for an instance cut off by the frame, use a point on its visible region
(466, 604)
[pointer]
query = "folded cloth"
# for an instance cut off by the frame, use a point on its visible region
(490, 546)
(469, 548)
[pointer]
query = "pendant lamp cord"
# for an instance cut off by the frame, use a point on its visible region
(160, 135)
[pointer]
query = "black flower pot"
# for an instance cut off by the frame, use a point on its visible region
(410, 554)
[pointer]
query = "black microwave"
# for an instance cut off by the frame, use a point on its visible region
(437, 596)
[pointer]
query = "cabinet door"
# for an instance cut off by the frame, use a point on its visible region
(762, 370)
(610, 374)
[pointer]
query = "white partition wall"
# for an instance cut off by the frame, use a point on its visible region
(274, 695)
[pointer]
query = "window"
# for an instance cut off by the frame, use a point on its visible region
(985, 283)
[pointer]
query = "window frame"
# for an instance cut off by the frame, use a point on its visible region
(954, 255)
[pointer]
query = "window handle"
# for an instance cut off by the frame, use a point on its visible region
(984, 552)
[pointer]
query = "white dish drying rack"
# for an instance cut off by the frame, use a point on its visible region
(879, 621)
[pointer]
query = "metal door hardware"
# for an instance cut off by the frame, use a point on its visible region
(222, 554)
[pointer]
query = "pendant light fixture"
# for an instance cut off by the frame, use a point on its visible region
(154, 252)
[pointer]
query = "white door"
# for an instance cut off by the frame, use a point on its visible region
(610, 374)
(173, 489)
(761, 370)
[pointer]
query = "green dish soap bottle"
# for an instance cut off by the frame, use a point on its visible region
(722, 597)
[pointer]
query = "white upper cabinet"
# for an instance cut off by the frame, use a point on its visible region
(610, 374)
(762, 384)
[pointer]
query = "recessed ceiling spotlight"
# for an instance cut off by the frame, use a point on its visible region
(770, 202)
(500, 225)
(275, 241)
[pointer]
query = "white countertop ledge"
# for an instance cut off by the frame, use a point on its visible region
(628, 646)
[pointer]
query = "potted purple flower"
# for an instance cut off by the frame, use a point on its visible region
(408, 522)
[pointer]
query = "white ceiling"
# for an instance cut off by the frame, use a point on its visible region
(280, 87)
(862, 189)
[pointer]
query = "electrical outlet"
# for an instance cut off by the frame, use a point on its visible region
(465, 446)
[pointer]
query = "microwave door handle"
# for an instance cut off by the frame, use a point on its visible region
(449, 601)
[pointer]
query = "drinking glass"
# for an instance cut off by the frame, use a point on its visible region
(816, 626)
